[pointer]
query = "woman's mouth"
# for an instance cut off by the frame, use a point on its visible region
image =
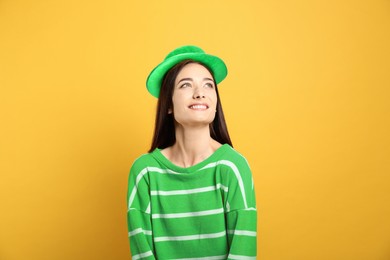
(199, 106)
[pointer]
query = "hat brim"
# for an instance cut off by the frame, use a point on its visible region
(215, 64)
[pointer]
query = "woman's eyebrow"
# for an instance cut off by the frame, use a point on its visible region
(190, 79)
(183, 79)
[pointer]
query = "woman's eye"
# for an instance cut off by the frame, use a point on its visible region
(209, 85)
(185, 85)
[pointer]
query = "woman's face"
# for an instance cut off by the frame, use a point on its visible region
(194, 96)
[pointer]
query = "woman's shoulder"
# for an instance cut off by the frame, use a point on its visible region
(143, 161)
(233, 155)
(234, 161)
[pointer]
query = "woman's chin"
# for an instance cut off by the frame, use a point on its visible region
(195, 123)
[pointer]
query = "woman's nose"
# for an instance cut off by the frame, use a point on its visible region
(198, 93)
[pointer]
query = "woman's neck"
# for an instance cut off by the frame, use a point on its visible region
(192, 146)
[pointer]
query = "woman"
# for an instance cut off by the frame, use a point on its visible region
(192, 195)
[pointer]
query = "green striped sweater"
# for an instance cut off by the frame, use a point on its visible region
(206, 211)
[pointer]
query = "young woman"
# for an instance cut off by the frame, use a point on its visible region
(192, 195)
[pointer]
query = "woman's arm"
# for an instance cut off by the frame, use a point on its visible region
(241, 212)
(241, 225)
(138, 214)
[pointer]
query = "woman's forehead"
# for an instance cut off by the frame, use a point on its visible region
(194, 70)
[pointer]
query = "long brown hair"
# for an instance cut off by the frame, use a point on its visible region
(164, 128)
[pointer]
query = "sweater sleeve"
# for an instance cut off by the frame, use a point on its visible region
(241, 213)
(138, 214)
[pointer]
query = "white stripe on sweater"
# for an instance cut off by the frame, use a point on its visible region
(247, 209)
(189, 214)
(138, 231)
(190, 237)
(142, 255)
(242, 233)
(241, 257)
(218, 257)
(189, 191)
(147, 211)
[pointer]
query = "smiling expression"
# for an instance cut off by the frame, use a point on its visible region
(194, 96)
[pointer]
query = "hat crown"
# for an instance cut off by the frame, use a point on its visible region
(184, 50)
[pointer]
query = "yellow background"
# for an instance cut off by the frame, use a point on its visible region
(306, 101)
